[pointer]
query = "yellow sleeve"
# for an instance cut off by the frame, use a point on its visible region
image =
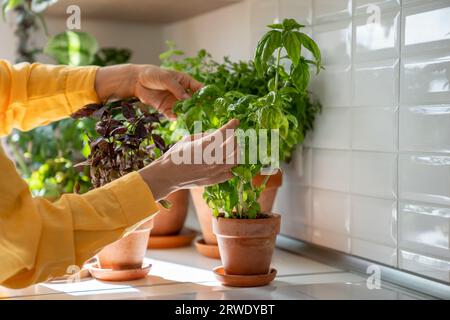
(40, 239)
(32, 95)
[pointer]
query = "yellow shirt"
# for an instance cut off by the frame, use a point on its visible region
(40, 239)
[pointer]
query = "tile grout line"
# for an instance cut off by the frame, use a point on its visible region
(400, 41)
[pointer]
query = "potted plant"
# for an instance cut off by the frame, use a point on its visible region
(228, 76)
(126, 142)
(245, 233)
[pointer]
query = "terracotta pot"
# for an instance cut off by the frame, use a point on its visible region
(267, 197)
(204, 215)
(246, 245)
(128, 252)
(171, 221)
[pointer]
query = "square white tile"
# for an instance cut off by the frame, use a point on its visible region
(333, 128)
(377, 40)
(374, 220)
(425, 128)
(376, 84)
(333, 86)
(331, 169)
(425, 177)
(294, 203)
(426, 27)
(374, 174)
(374, 129)
(425, 228)
(334, 41)
(331, 211)
(425, 80)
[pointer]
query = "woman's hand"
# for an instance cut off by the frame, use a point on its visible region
(153, 85)
(165, 176)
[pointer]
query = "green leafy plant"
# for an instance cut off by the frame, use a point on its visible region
(45, 155)
(227, 75)
(282, 102)
(73, 48)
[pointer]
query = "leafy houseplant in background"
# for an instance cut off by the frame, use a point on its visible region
(45, 155)
(126, 142)
(246, 234)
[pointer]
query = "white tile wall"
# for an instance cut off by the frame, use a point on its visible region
(374, 178)
(379, 159)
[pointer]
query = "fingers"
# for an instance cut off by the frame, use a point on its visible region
(163, 101)
(179, 84)
(175, 87)
(188, 82)
(163, 88)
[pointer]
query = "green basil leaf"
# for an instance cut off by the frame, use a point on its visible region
(275, 26)
(293, 46)
(165, 204)
(309, 44)
(258, 54)
(274, 42)
(265, 49)
(291, 24)
(300, 75)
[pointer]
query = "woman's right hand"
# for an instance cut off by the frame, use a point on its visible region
(166, 175)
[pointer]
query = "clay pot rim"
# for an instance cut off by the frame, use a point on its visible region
(275, 180)
(247, 228)
(272, 216)
(141, 230)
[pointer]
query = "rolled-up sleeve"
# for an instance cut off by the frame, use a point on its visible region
(40, 239)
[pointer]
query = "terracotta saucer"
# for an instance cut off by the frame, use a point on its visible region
(244, 280)
(207, 250)
(183, 239)
(119, 275)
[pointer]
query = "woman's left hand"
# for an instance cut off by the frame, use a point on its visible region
(154, 86)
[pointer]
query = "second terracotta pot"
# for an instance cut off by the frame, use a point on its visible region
(247, 245)
(267, 197)
(128, 252)
(171, 221)
(204, 215)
